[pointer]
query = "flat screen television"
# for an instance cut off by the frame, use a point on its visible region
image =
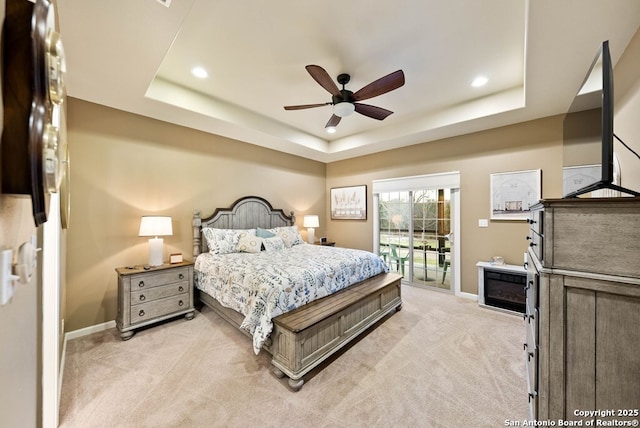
(588, 157)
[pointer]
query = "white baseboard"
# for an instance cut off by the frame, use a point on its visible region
(468, 296)
(89, 330)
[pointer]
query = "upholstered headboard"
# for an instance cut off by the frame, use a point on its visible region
(245, 213)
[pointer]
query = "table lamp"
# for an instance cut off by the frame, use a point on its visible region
(155, 226)
(311, 222)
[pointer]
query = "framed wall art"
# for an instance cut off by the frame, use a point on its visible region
(577, 177)
(513, 194)
(349, 203)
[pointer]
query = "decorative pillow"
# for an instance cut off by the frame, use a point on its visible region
(275, 243)
(249, 244)
(224, 241)
(289, 235)
(264, 233)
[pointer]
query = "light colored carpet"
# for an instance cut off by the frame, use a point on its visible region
(442, 361)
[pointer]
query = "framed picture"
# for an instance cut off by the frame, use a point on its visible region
(576, 177)
(349, 203)
(513, 194)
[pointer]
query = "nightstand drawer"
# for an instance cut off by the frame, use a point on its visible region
(155, 293)
(146, 281)
(145, 311)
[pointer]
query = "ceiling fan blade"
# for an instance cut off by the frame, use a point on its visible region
(372, 111)
(303, 106)
(333, 122)
(381, 86)
(320, 75)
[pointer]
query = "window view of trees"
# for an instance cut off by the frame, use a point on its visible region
(414, 229)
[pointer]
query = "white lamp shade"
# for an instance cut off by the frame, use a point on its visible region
(152, 225)
(311, 221)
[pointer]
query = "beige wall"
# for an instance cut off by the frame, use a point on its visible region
(20, 362)
(530, 145)
(124, 166)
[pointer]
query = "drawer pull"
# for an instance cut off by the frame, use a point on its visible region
(530, 221)
(141, 284)
(532, 244)
(181, 276)
(528, 238)
(525, 346)
(529, 356)
(142, 298)
(181, 288)
(180, 303)
(532, 395)
(141, 313)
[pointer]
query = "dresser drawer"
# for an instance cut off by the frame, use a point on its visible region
(155, 293)
(156, 279)
(531, 290)
(531, 349)
(536, 235)
(156, 308)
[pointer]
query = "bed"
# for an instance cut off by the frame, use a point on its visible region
(300, 302)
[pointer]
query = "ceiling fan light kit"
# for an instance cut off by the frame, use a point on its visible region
(345, 102)
(343, 109)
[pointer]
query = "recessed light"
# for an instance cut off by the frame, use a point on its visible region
(479, 81)
(331, 129)
(199, 72)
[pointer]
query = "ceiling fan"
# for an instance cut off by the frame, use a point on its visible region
(345, 102)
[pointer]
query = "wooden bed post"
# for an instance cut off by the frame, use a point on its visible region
(196, 234)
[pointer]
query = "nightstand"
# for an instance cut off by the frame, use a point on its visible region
(326, 243)
(146, 296)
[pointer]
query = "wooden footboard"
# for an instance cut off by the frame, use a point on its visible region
(307, 336)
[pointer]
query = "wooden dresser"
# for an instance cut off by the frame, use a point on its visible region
(146, 296)
(583, 309)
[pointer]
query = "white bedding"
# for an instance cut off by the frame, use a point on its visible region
(266, 284)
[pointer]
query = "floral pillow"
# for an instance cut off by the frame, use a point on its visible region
(289, 235)
(224, 241)
(249, 244)
(275, 243)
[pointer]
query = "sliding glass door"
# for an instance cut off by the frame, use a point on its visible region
(414, 233)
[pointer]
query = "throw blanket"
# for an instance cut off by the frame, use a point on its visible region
(264, 285)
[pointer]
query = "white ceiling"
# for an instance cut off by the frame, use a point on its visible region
(137, 55)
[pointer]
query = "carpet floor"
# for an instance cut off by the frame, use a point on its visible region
(442, 361)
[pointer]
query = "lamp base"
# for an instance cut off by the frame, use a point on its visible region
(156, 248)
(311, 235)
